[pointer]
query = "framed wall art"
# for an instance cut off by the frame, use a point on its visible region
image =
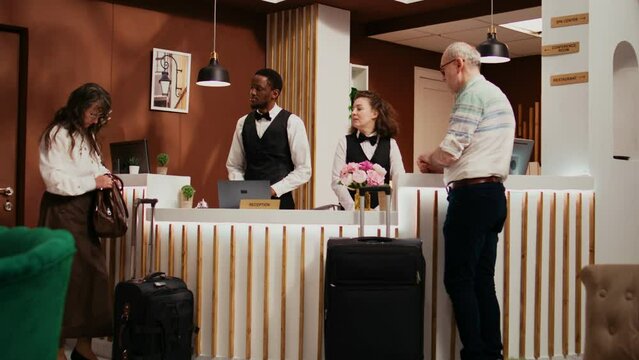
(170, 77)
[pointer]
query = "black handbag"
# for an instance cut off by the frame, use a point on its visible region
(110, 215)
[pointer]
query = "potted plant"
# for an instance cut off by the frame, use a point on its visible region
(134, 165)
(186, 196)
(163, 160)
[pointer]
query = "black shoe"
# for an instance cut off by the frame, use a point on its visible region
(77, 356)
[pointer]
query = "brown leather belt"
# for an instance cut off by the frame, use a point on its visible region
(473, 181)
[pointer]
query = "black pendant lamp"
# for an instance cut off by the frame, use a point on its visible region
(493, 51)
(213, 75)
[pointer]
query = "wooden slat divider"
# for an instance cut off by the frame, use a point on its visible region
(520, 121)
(320, 312)
(185, 254)
(171, 251)
(216, 267)
(523, 277)
(291, 50)
(265, 315)
(156, 247)
(232, 294)
(434, 284)
(300, 352)
(578, 265)
(143, 245)
(537, 136)
(531, 117)
(283, 298)
(591, 231)
(566, 278)
(198, 287)
(538, 273)
(551, 272)
(418, 215)
(249, 292)
(506, 294)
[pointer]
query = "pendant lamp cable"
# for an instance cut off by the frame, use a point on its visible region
(215, 23)
(491, 16)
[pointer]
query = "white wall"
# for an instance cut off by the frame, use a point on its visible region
(564, 109)
(578, 119)
(333, 87)
(616, 181)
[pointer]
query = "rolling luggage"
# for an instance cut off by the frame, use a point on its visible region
(374, 296)
(153, 315)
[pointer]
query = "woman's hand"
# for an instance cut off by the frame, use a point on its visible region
(103, 182)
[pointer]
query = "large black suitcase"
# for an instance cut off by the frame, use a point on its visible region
(374, 297)
(153, 315)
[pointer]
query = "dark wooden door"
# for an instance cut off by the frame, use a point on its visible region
(13, 42)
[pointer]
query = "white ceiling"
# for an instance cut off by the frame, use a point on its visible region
(473, 31)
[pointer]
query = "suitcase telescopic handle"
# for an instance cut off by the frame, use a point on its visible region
(136, 203)
(153, 202)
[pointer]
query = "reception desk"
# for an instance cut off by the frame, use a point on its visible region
(257, 275)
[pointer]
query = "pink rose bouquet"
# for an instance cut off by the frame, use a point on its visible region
(356, 175)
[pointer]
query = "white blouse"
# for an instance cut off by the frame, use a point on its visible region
(343, 196)
(67, 173)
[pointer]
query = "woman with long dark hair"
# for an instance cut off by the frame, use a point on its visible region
(371, 137)
(71, 167)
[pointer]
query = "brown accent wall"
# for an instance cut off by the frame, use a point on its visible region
(391, 70)
(76, 41)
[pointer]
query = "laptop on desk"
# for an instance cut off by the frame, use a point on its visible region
(231, 192)
(522, 149)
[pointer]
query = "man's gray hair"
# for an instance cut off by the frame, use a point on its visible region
(463, 50)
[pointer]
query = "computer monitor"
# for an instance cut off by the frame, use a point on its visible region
(230, 192)
(122, 151)
(522, 149)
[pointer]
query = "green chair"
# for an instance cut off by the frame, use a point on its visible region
(34, 273)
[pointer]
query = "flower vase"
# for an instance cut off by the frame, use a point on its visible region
(367, 201)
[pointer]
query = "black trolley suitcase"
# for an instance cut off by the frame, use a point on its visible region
(153, 315)
(374, 296)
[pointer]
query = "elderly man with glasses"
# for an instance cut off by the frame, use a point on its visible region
(474, 157)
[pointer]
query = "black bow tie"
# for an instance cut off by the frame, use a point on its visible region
(372, 139)
(259, 115)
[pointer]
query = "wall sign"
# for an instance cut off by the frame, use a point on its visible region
(560, 49)
(569, 20)
(259, 204)
(567, 79)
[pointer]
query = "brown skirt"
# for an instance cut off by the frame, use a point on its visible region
(88, 307)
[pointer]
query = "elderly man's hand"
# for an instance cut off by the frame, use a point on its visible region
(426, 166)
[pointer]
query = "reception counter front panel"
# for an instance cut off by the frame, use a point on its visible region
(258, 279)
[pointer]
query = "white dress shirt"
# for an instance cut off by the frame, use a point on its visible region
(67, 173)
(297, 142)
(343, 196)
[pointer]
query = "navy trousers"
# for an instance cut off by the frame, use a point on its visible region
(475, 216)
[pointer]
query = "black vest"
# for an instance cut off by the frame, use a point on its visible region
(269, 157)
(381, 156)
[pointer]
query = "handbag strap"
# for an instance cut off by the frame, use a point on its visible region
(118, 185)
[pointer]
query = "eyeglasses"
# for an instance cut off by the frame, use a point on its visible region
(441, 68)
(100, 115)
